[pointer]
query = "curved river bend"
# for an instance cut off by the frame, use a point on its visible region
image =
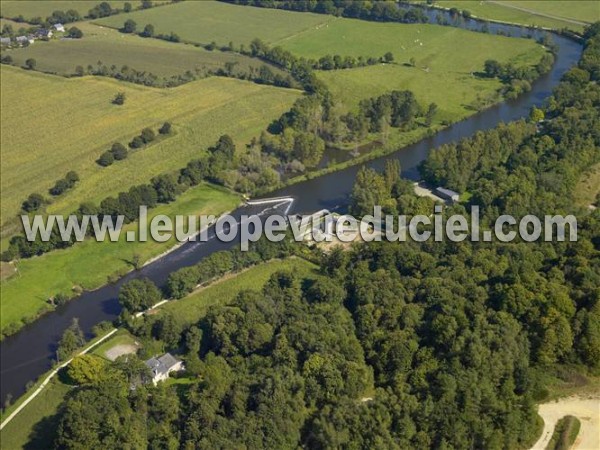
(28, 354)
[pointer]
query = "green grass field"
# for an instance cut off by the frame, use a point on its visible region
(192, 308)
(34, 425)
(555, 14)
(207, 21)
(438, 64)
(43, 8)
(66, 124)
(111, 47)
(88, 264)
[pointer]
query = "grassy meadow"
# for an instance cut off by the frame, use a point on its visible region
(588, 187)
(192, 308)
(43, 8)
(161, 58)
(89, 264)
(438, 64)
(555, 14)
(66, 124)
(207, 21)
(35, 425)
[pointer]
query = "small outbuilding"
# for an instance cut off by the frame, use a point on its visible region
(59, 27)
(447, 194)
(5, 41)
(162, 366)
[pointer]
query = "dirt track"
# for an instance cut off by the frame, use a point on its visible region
(585, 408)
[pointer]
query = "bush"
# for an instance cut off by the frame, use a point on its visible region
(165, 129)
(119, 151)
(33, 203)
(129, 26)
(137, 142)
(72, 177)
(75, 33)
(106, 159)
(30, 63)
(119, 99)
(147, 135)
(60, 187)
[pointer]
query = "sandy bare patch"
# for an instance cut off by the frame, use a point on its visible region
(585, 408)
(119, 350)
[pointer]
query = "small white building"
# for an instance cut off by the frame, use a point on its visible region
(447, 194)
(162, 366)
(5, 41)
(59, 27)
(24, 40)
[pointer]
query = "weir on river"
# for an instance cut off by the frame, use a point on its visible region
(29, 353)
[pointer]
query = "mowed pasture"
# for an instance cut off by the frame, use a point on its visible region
(207, 21)
(110, 47)
(441, 74)
(66, 124)
(89, 264)
(556, 14)
(44, 8)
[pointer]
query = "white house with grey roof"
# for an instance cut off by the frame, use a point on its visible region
(162, 366)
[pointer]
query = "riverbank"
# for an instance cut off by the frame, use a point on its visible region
(88, 265)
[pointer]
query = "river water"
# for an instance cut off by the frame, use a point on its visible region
(29, 353)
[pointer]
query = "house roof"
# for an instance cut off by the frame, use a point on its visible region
(58, 25)
(5, 40)
(447, 192)
(21, 38)
(163, 364)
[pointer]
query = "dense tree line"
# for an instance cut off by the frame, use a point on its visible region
(64, 184)
(517, 79)
(395, 345)
(378, 10)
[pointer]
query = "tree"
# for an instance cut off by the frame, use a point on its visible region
(139, 295)
(146, 4)
(492, 68)
(127, 7)
(129, 26)
(71, 340)
(147, 135)
(165, 128)
(431, 110)
(106, 159)
(136, 142)
(119, 151)
(166, 188)
(119, 99)
(536, 114)
(75, 33)
(87, 369)
(59, 187)
(388, 57)
(72, 177)
(33, 203)
(31, 63)
(148, 31)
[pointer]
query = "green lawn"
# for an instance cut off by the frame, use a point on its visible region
(207, 21)
(438, 65)
(161, 58)
(88, 264)
(564, 14)
(35, 425)
(43, 8)
(192, 308)
(66, 124)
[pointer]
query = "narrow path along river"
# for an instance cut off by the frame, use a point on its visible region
(28, 354)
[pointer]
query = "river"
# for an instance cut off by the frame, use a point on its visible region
(29, 353)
